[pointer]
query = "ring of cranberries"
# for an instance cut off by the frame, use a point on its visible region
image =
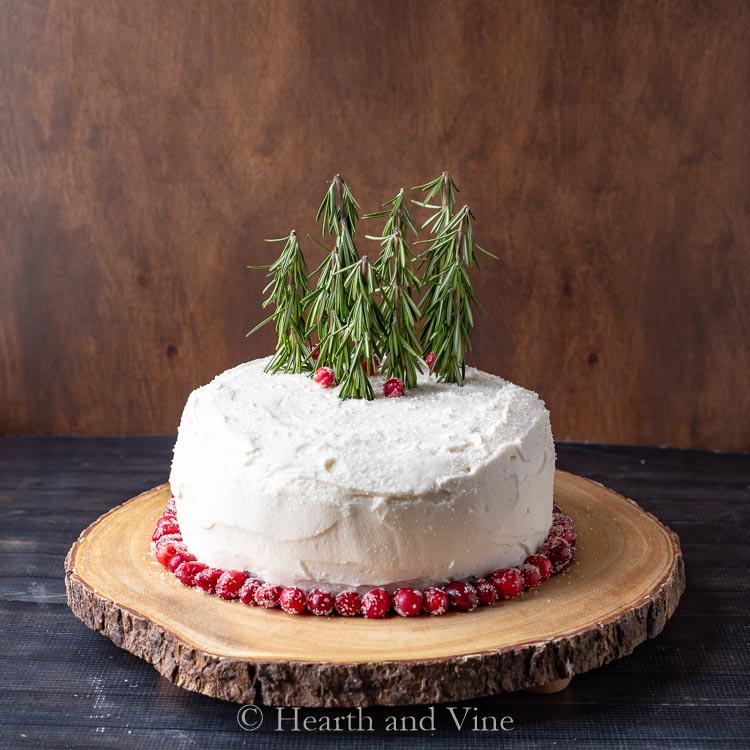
(554, 554)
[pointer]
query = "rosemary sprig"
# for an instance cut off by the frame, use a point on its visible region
(399, 283)
(357, 343)
(446, 307)
(331, 303)
(433, 261)
(398, 216)
(443, 212)
(287, 288)
(338, 208)
(329, 306)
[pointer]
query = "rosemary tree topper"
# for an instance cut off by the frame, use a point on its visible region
(398, 285)
(287, 288)
(447, 317)
(360, 311)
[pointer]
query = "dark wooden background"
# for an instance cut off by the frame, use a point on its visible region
(146, 149)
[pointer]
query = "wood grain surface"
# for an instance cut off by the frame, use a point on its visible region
(146, 149)
(622, 586)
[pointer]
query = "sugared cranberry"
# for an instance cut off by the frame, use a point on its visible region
(171, 509)
(430, 359)
(320, 602)
(508, 582)
(168, 521)
(486, 591)
(324, 377)
(556, 508)
(186, 571)
(561, 522)
(463, 596)
(560, 554)
(293, 600)
(407, 602)
(268, 595)
(165, 525)
(177, 538)
(434, 601)
(166, 549)
(393, 388)
(543, 563)
(247, 592)
(557, 535)
(207, 579)
(531, 575)
(180, 557)
(376, 603)
(229, 584)
(348, 603)
(315, 353)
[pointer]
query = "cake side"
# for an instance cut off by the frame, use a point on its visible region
(279, 477)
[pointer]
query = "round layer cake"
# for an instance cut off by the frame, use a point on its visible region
(275, 475)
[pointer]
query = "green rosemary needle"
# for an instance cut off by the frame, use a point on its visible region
(338, 208)
(398, 285)
(358, 344)
(287, 288)
(447, 317)
(398, 216)
(447, 189)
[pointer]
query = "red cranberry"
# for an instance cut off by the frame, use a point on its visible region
(560, 554)
(169, 538)
(376, 603)
(320, 602)
(486, 591)
(557, 535)
(168, 521)
(207, 579)
(430, 360)
(293, 600)
(166, 549)
(543, 563)
(393, 388)
(247, 592)
(556, 508)
(348, 603)
(563, 523)
(229, 584)
(165, 525)
(315, 353)
(171, 509)
(463, 596)
(531, 576)
(434, 601)
(186, 571)
(407, 602)
(180, 557)
(508, 582)
(324, 377)
(268, 595)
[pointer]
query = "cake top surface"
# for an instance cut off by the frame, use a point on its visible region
(399, 446)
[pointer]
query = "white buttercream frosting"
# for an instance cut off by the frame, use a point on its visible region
(275, 475)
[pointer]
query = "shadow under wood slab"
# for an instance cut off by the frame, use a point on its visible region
(624, 583)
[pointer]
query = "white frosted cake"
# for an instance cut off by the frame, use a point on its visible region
(275, 475)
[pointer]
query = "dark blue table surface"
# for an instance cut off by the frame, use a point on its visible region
(65, 686)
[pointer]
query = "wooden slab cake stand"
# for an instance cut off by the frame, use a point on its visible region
(623, 585)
